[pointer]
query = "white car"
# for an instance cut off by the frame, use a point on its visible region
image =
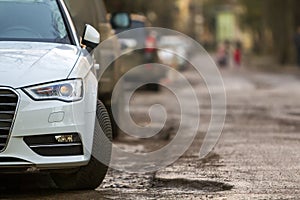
(49, 112)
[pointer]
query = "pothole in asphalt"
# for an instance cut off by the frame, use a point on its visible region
(289, 116)
(203, 185)
(294, 114)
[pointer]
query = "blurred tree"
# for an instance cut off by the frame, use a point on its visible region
(280, 20)
(252, 20)
(275, 21)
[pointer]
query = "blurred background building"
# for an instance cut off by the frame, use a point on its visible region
(264, 27)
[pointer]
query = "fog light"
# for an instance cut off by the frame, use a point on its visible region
(64, 138)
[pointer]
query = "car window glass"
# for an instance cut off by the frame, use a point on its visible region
(32, 20)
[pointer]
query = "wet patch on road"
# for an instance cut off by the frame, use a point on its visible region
(203, 185)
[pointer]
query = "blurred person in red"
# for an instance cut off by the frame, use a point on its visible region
(151, 47)
(237, 54)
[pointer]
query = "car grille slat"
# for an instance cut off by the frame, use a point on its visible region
(8, 95)
(6, 120)
(7, 112)
(5, 128)
(8, 105)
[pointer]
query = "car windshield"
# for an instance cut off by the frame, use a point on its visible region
(32, 20)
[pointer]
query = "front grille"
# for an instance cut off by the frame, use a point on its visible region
(8, 105)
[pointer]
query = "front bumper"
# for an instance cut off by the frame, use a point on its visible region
(44, 118)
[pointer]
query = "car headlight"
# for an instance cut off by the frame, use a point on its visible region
(69, 90)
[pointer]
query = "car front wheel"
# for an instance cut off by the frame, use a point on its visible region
(91, 175)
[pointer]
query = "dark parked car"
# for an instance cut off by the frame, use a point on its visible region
(139, 44)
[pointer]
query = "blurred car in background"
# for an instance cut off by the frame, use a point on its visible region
(174, 51)
(94, 12)
(138, 39)
(139, 45)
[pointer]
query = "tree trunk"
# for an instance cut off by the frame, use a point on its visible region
(281, 23)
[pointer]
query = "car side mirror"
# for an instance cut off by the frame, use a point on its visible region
(91, 37)
(120, 20)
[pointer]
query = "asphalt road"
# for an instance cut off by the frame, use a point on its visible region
(257, 156)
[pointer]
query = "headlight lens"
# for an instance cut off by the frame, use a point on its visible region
(70, 90)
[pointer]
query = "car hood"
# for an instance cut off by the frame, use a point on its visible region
(29, 63)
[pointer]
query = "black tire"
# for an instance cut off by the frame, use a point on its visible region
(91, 175)
(118, 108)
(115, 127)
